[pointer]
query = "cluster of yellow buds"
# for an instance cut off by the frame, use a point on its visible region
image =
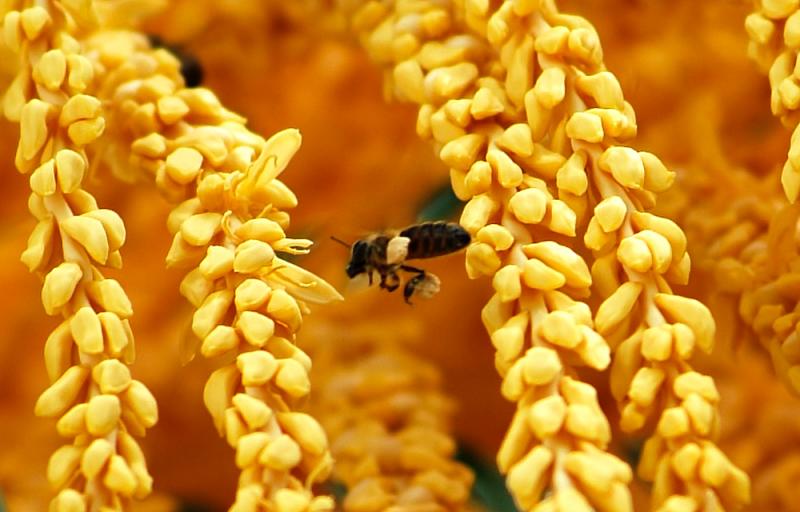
(746, 270)
(518, 104)
(774, 30)
(99, 406)
(388, 421)
(249, 302)
(750, 259)
(516, 101)
(228, 228)
(769, 305)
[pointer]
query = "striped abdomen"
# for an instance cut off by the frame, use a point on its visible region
(431, 239)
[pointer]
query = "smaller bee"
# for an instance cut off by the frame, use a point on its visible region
(386, 253)
(191, 70)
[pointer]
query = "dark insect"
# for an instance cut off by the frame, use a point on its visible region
(191, 70)
(386, 254)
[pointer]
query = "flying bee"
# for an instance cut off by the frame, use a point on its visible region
(386, 254)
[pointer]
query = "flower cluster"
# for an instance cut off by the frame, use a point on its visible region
(520, 107)
(227, 229)
(774, 30)
(601, 342)
(388, 421)
(748, 260)
(99, 406)
(751, 260)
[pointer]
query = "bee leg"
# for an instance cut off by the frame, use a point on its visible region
(390, 282)
(411, 286)
(408, 291)
(409, 268)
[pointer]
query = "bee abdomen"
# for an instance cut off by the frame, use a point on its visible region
(432, 239)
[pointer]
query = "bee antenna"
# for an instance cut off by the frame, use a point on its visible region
(340, 241)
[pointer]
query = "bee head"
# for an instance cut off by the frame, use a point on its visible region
(358, 259)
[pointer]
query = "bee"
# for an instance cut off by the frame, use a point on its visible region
(191, 70)
(386, 254)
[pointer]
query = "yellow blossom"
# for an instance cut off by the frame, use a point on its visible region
(91, 391)
(226, 178)
(586, 120)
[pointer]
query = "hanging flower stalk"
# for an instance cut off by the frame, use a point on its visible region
(388, 421)
(770, 304)
(520, 107)
(774, 31)
(99, 406)
(771, 308)
(749, 257)
(558, 436)
(229, 231)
